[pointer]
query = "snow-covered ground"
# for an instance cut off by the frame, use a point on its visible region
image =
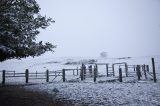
(106, 91)
(104, 94)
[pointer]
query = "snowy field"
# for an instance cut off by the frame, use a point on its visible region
(104, 94)
(107, 91)
(53, 64)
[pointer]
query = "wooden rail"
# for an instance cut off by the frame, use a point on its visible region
(32, 75)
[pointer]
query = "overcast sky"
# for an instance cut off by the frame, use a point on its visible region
(88, 27)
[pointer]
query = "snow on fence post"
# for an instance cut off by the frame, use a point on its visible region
(107, 70)
(154, 72)
(120, 75)
(138, 72)
(144, 69)
(126, 69)
(47, 75)
(63, 75)
(95, 73)
(27, 75)
(3, 77)
(113, 69)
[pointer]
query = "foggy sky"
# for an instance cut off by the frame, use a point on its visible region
(89, 27)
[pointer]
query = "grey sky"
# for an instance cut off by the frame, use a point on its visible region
(88, 27)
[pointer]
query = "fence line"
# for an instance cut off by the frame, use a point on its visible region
(93, 72)
(27, 75)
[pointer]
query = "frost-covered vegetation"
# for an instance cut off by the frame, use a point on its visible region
(20, 22)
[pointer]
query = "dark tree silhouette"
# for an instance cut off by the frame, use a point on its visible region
(20, 22)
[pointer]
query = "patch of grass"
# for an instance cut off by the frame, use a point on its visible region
(18, 96)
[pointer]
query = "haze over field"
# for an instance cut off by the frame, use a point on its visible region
(88, 27)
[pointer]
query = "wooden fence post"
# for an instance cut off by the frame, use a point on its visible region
(126, 69)
(81, 73)
(47, 75)
(120, 74)
(154, 72)
(138, 72)
(90, 70)
(107, 70)
(3, 77)
(113, 69)
(97, 68)
(63, 75)
(144, 69)
(77, 70)
(27, 75)
(141, 69)
(147, 68)
(134, 68)
(14, 73)
(73, 71)
(95, 73)
(84, 72)
(55, 74)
